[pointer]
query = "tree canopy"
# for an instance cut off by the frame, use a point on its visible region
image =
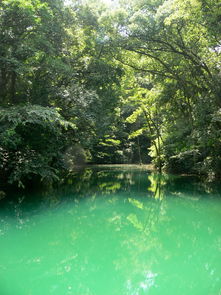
(134, 82)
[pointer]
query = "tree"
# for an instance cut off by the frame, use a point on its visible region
(32, 142)
(173, 45)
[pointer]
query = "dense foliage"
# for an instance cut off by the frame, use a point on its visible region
(80, 82)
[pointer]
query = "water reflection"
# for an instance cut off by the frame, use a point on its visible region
(128, 232)
(139, 181)
(157, 185)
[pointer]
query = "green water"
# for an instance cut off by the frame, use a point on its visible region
(113, 232)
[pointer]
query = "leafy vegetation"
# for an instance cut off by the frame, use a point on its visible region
(80, 82)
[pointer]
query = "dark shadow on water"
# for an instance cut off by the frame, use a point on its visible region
(105, 181)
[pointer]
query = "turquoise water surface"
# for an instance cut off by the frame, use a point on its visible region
(113, 231)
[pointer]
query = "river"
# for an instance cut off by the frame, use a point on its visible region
(113, 231)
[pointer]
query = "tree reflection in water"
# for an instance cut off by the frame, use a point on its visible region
(113, 231)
